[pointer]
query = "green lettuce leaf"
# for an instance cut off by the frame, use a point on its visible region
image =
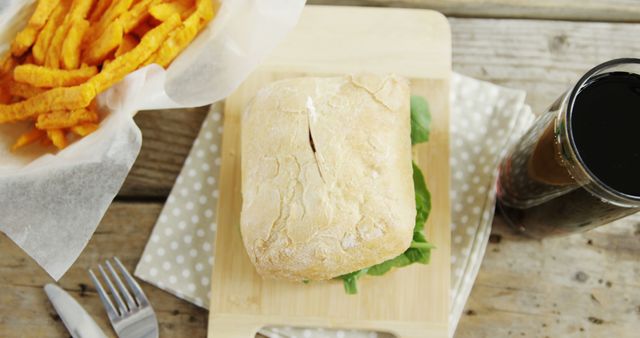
(420, 120)
(423, 198)
(384, 267)
(420, 250)
(350, 281)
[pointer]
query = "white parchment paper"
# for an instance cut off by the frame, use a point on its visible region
(51, 203)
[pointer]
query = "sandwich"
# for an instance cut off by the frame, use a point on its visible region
(328, 184)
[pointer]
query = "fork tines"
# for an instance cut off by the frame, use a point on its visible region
(127, 300)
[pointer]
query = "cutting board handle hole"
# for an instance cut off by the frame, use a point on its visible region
(315, 332)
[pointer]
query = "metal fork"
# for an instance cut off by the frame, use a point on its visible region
(133, 317)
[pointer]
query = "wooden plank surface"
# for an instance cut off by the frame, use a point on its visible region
(585, 281)
(168, 136)
(25, 310)
(583, 285)
(542, 57)
(519, 282)
(582, 10)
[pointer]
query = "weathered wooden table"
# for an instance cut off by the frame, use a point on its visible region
(579, 286)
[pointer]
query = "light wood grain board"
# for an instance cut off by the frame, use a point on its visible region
(409, 302)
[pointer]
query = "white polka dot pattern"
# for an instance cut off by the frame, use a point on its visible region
(177, 257)
(485, 119)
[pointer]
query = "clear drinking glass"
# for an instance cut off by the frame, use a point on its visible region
(574, 169)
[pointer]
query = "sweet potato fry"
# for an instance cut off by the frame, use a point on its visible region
(99, 9)
(28, 60)
(163, 11)
(137, 14)
(66, 118)
(84, 129)
(79, 10)
(24, 91)
(72, 50)
(45, 141)
(57, 137)
(54, 99)
(40, 76)
(52, 59)
(71, 45)
(99, 49)
(44, 8)
(176, 42)
(128, 43)
(28, 138)
(205, 9)
(25, 38)
(7, 63)
(187, 3)
(117, 8)
(142, 29)
(39, 50)
(181, 37)
(5, 91)
(117, 69)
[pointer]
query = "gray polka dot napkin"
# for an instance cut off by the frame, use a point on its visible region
(485, 119)
(179, 255)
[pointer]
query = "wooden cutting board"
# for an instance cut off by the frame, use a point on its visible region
(408, 302)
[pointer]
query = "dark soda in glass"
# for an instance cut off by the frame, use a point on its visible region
(578, 166)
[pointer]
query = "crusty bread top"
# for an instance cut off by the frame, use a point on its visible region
(327, 180)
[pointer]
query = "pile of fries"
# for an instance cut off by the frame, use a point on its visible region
(72, 50)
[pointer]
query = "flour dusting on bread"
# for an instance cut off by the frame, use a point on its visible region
(326, 175)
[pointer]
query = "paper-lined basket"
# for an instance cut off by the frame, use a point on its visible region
(51, 203)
